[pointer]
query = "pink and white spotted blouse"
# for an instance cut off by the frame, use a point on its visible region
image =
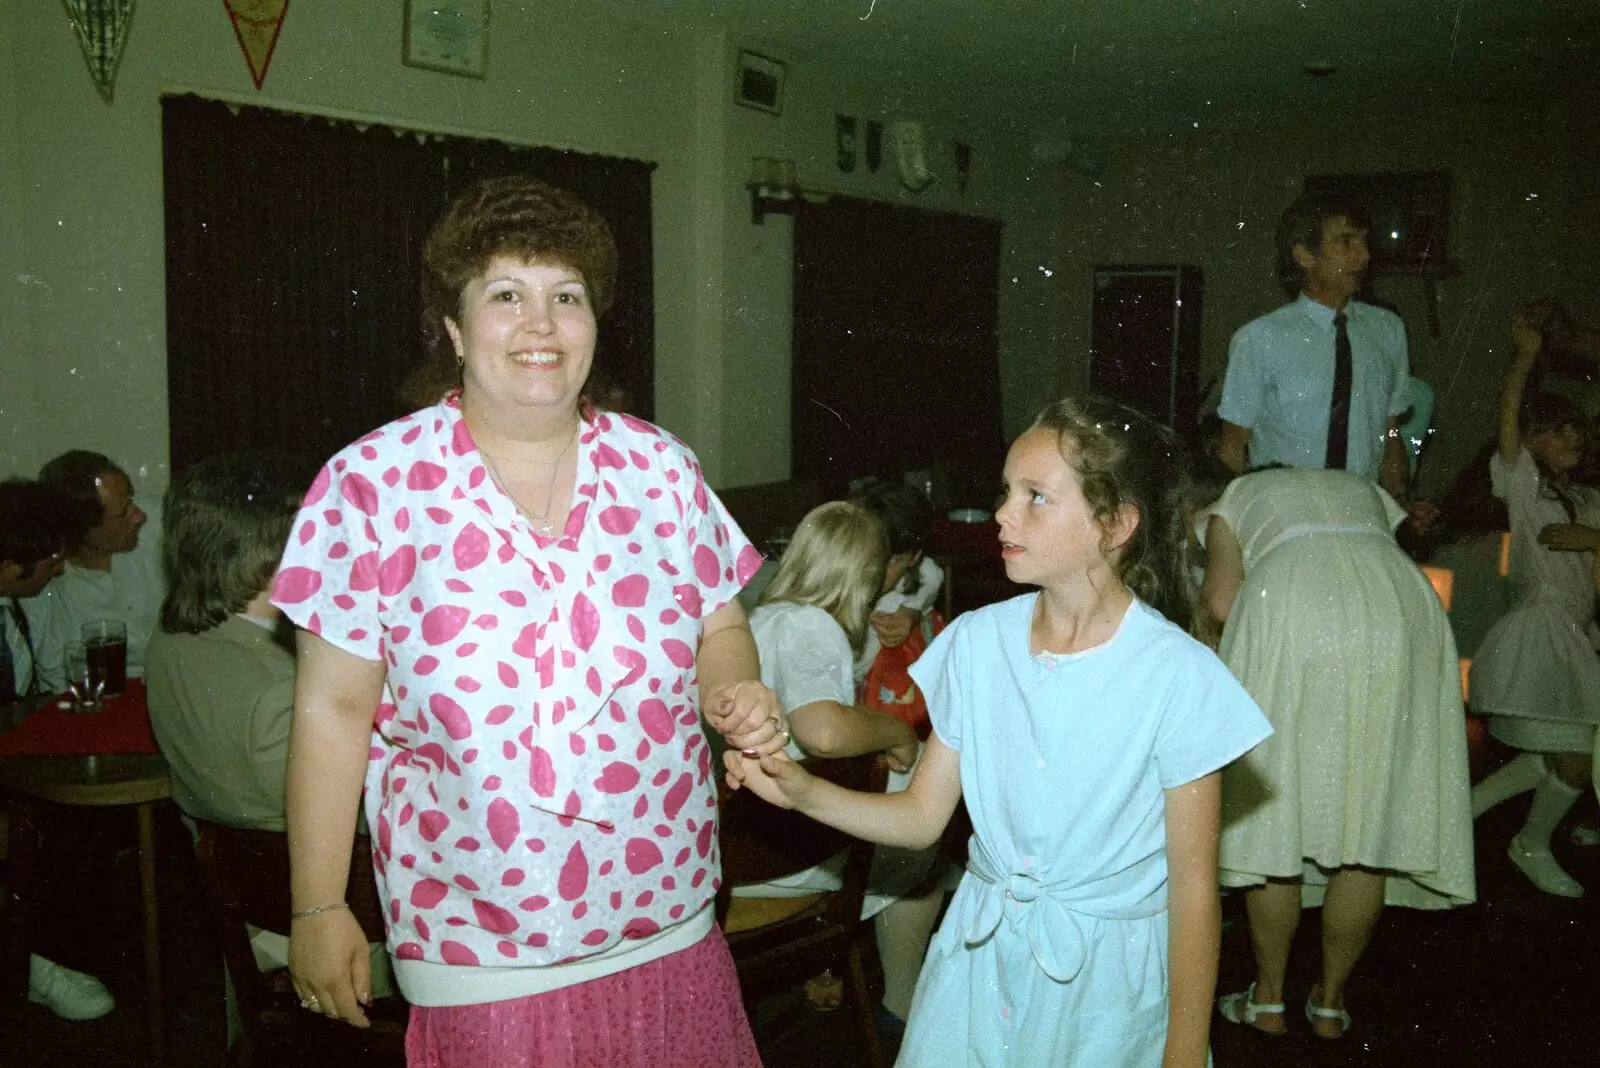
(539, 783)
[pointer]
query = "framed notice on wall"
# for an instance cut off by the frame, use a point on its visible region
(760, 83)
(447, 35)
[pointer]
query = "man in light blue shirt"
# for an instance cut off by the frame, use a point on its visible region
(1276, 396)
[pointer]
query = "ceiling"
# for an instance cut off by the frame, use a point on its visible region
(1106, 66)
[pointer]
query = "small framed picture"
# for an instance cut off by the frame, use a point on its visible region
(447, 35)
(760, 83)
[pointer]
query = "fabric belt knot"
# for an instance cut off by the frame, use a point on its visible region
(1045, 912)
(1023, 887)
(1052, 930)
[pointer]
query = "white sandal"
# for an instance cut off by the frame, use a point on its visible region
(1241, 1008)
(1315, 1012)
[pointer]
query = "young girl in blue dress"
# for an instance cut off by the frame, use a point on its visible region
(1085, 733)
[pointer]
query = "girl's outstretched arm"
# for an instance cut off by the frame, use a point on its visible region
(1194, 917)
(1525, 342)
(912, 819)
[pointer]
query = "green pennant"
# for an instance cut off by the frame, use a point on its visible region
(102, 27)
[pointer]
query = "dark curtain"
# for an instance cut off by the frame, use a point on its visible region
(292, 245)
(293, 251)
(896, 346)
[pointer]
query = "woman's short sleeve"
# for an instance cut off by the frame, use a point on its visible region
(1209, 720)
(1229, 506)
(938, 675)
(810, 659)
(1393, 514)
(332, 570)
(724, 559)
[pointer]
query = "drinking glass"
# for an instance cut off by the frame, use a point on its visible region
(84, 688)
(106, 641)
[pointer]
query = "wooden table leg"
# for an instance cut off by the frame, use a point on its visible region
(152, 932)
(22, 848)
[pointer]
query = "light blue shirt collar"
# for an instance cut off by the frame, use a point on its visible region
(1318, 312)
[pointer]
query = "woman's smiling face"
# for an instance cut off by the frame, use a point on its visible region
(525, 334)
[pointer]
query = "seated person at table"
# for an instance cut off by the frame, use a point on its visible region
(811, 620)
(108, 575)
(37, 524)
(899, 626)
(219, 678)
(219, 674)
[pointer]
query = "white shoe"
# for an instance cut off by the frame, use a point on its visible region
(1542, 870)
(70, 995)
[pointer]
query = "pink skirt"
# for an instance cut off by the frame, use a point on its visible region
(683, 1009)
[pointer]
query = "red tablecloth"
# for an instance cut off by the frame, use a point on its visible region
(122, 727)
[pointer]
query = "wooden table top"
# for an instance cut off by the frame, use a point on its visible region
(107, 779)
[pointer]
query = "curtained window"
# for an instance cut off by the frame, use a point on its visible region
(293, 252)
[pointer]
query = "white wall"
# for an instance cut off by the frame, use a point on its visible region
(82, 323)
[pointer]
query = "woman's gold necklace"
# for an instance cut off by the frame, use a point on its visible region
(539, 520)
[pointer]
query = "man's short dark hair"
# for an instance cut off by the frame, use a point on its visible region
(38, 521)
(1302, 223)
(78, 474)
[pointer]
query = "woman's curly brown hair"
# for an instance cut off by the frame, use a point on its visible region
(513, 215)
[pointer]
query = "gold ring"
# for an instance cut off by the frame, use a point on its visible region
(311, 1003)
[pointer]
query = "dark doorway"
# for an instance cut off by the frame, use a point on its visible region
(896, 346)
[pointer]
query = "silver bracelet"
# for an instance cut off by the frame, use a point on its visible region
(303, 913)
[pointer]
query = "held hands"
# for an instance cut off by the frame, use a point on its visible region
(1570, 538)
(749, 716)
(901, 757)
(902, 754)
(895, 627)
(329, 965)
(775, 779)
(1422, 515)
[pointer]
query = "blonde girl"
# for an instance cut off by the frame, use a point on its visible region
(810, 623)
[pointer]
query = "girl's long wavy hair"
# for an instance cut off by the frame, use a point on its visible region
(1123, 457)
(835, 562)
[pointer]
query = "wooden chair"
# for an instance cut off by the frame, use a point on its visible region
(803, 936)
(246, 879)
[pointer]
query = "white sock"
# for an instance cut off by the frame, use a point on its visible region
(1552, 799)
(1518, 775)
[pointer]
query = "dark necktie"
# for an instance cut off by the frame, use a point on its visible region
(1339, 407)
(11, 687)
(8, 678)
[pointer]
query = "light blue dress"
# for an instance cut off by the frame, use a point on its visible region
(1054, 949)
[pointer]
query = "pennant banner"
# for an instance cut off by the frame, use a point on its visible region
(102, 27)
(257, 23)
